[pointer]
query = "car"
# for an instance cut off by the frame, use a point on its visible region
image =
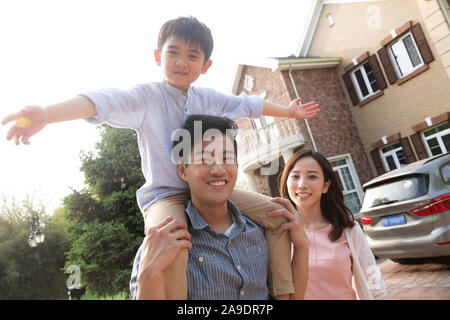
(406, 212)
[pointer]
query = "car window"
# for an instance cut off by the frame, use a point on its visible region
(395, 190)
(445, 173)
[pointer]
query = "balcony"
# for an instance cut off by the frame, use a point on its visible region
(257, 148)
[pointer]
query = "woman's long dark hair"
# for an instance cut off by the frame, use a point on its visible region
(332, 203)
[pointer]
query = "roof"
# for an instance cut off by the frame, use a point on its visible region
(282, 64)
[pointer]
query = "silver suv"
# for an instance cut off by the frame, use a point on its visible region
(406, 212)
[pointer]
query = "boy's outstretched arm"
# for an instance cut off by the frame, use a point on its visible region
(294, 110)
(32, 119)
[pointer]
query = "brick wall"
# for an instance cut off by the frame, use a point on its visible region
(334, 129)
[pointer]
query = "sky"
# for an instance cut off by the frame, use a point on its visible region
(52, 50)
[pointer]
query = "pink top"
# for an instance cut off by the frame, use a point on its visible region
(330, 267)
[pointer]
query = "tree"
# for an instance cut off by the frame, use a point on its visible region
(19, 267)
(106, 225)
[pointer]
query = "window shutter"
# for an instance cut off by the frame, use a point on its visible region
(377, 161)
(350, 88)
(407, 150)
(387, 64)
(422, 44)
(418, 145)
(378, 74)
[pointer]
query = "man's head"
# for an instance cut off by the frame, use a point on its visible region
(184, 50)
(207, 157)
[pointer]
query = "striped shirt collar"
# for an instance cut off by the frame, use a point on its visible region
(197, 221)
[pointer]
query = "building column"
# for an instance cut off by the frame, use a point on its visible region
(287, 154)
(250, 181)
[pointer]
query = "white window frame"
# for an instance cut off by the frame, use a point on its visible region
(438, 136)
(409, 62)
(353, 174)
(392, 153)
(366, 81)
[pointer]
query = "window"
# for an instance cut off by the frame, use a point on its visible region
(393, 156)
(445, 173)
(405, 55)
(347, 178)
(437, 139)
(395, 190)
(364, 81)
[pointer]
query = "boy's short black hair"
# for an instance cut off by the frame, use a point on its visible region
(225, 125)
(190, 30)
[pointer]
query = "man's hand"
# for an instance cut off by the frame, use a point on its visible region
(29, 121)
(303, 111)
(160, 248)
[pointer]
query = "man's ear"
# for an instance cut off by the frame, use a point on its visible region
(181, 169)
(157, 55)
(206, 66)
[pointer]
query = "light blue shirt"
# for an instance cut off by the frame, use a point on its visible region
(221, 267)
(154, 111)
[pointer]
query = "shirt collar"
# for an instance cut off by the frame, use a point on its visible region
(176, 91)
(198, 222)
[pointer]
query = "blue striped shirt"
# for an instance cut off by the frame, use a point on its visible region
(154, 111)
(222, 267)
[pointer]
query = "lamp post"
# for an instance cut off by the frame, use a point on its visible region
(35, 238)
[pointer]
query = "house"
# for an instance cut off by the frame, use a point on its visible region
(380, 71)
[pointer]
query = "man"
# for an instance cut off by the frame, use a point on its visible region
(228, 256)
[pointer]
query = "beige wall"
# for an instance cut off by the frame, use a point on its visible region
(359, 27)
(438, 28)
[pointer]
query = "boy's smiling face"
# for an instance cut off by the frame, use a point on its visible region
(182, 63)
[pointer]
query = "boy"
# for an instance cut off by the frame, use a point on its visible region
(154, 111)
(228, 256)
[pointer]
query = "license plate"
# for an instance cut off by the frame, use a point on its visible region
(396, 220)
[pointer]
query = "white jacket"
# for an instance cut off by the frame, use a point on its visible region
(367, 278)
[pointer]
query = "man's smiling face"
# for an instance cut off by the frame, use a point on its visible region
(211, 172)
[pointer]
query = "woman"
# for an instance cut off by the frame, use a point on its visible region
(338, 249)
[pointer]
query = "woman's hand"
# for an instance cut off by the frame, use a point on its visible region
(295, 223)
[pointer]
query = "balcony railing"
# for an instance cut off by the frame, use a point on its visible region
(260, 146)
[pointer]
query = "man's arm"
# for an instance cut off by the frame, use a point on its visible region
(32, 119)
(294, 110)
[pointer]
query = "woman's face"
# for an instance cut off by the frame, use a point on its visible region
(306, 183)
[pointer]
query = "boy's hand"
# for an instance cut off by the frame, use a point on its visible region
(29, 121)
(303, 111)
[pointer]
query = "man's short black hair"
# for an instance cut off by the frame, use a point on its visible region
(202, 123)
(191, 31)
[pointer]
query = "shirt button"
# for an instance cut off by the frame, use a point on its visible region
(238, 267)
(242, 292)
(200, 259)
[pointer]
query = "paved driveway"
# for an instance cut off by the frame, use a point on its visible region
(415, 282)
